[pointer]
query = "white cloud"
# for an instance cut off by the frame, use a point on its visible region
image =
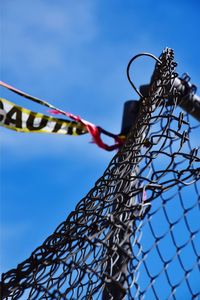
(35, 32)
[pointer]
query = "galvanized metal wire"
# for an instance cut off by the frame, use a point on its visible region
(136, 234)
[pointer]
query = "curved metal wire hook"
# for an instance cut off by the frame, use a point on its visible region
(129, 65)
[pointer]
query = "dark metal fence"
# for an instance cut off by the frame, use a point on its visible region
(136, 235)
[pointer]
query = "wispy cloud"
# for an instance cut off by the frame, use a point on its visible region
(34, 33)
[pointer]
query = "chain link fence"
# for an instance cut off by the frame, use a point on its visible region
(136, 235)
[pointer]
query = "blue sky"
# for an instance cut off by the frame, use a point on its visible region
(74, 54)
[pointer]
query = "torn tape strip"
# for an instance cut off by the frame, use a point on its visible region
(94, 130)
(21, 119)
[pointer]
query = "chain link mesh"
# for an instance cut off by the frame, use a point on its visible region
(136, 235)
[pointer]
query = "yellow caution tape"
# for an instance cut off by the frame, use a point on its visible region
(21, 119)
